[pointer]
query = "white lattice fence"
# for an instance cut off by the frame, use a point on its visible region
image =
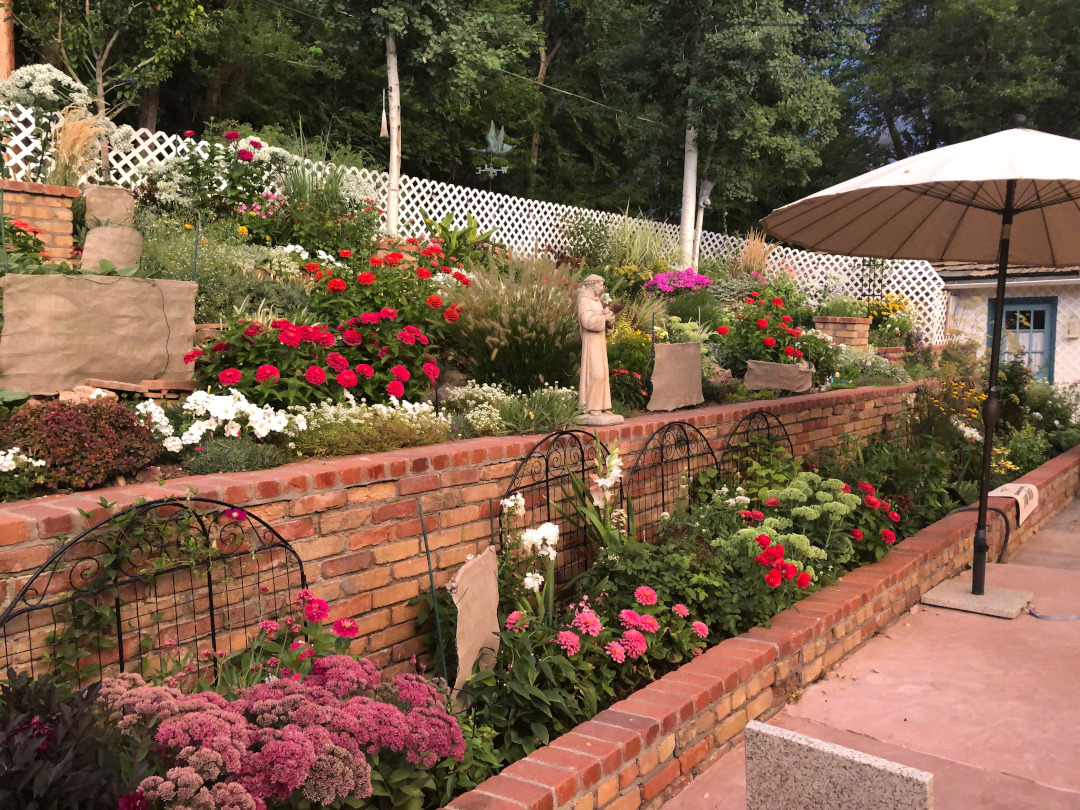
(530, 225)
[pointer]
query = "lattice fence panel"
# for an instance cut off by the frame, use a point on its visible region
(534, 225)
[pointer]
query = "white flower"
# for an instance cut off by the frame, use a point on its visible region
(665, 515)
(533, 582)
(232, 430)
(514, 504)
(173, 444)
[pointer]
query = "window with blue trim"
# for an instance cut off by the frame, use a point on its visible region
(1030, 333)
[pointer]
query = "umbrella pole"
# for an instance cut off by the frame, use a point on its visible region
(992, 406)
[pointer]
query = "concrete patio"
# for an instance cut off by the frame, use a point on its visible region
(990, 706)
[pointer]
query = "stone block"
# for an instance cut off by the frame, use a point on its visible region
(786, 769)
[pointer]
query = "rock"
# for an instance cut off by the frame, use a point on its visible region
(148, 475)
(718, 374)
(109, 205)
(82, 394)
(118, 244)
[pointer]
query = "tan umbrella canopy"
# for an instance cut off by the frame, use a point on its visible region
(1012, 194)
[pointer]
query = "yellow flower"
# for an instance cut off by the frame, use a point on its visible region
(267, 238)
(188, 226)
(242, 230)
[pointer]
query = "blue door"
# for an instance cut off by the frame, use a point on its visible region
(1029, 333)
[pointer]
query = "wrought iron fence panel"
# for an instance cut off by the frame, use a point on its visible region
(160, 584)
(756, 434)
(543, 480)
(661, 480)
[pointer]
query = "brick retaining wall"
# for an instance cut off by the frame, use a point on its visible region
(355, 522)
(644, 750)
(45, 207)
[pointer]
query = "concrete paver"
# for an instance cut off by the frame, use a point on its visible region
(990, 706)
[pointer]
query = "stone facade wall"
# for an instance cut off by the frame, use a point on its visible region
(45, 207)
(644, 750)
(355, 521)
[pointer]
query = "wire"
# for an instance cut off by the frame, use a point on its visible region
(575, 95)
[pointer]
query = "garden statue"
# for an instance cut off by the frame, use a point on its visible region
(594, 393)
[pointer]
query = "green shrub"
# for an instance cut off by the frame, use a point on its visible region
(84, 445)
(542, 410)
(350, 428)
(588, 242)
(20, 475)
(700, 307)
(843, 307)
(1028, 448)
(57, 750)
(233, 455)
(520, 327)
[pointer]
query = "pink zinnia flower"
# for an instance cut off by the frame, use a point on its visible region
(588, 623)
(316, 610)
(346, 628)
(232, 135)
(616, 651)
(366, 371)
(401, 374)
(634, 643)
(246, 155)
(230, 376)
(645, 595)
(569, 641)
(700, 629)
(267, 373)
(516, 621)
(431, 371)
(303, 596)
(680, 610)
(269, 626)
(395, 389)
(648, 624)
(629, 618)
(315, 375)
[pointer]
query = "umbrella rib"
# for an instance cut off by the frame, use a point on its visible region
(848, 201)
(956, 229)
(854, 251)
(1046, 226)
(941, 201)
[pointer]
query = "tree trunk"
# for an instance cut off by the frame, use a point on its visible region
(7, 40)
(393, 190)
(703, 198)
(99, 100)
(689, 199)
(546, 58)
(899, 152)
(148, 107)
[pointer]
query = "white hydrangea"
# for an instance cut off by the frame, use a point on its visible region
(514, 504)
(12, 459)
(43, 87)
(533, 582)
(542, 541)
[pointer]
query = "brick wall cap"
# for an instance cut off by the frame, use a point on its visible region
(39, 188)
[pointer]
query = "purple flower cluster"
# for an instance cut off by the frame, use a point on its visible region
(675, 282)
(283, 739)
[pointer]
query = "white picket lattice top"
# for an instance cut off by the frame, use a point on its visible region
(529, 226)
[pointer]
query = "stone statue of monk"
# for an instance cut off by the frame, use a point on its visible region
(594, 391)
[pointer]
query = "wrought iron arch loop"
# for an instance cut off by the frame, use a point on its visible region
(758, 427)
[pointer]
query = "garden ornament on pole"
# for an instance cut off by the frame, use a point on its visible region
(1013, 195)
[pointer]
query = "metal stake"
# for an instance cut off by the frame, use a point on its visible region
(432, 594)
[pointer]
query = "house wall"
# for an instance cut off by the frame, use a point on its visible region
(967, 316)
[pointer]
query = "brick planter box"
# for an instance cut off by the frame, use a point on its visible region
(852, 332)
(644, 750)
(45, 207)
(894, 353)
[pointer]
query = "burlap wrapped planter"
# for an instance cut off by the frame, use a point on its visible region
(852, 332)
(763, 376)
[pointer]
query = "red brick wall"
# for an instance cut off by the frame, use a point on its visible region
(45, 207)
(643, 750)
(355, 522)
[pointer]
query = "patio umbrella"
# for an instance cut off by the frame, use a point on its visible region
(1014, 194)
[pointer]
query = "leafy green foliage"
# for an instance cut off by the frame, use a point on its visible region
(84, 445)
(220, 455)
(56, 752)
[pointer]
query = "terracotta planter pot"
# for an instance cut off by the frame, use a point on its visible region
(852, 332)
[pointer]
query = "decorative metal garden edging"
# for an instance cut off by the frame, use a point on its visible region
(162, 579)
(754, 430)
(543, 480)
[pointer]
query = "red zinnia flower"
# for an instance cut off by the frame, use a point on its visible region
(857, 534)
(790, 571)
(773, 578)
(267, 373)
(798, 353)
(778, 302)
(393, 259)
(395, 389)
(431, 371)
(220, 346)
(290, 337)
(344, 254)
(871, 501)
(451, 315)
(366, 371)
(721, 330)
(245, 155)
(867, 488)
(388, 312)
(400, 373)
(232, 135)
(748, 300)
(763, 540)
(254, 329)
(888, 536)
(311, 267)
(385, 350)
(785, 318)
(434, 301)
(804, 580)
(366, 278)
(894, 517)
(772, 502)
(336, 285)
(336, 361)
(315, 375)
(755, 294)
(189, 133)
(769, 342)
(352, 337)
(191, 356)
(847, 488)
(789, 351)
(347, 379)
(230, 376)
(762, 323)
(423, 272)
(255, 144)
(375, 261)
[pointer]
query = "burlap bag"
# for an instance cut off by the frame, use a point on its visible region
(62, 330)
(476, 595)
(762, 376)
(676, 376)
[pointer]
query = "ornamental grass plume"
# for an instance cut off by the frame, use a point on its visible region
(754, 254)
(75, 145)
(519, 325)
